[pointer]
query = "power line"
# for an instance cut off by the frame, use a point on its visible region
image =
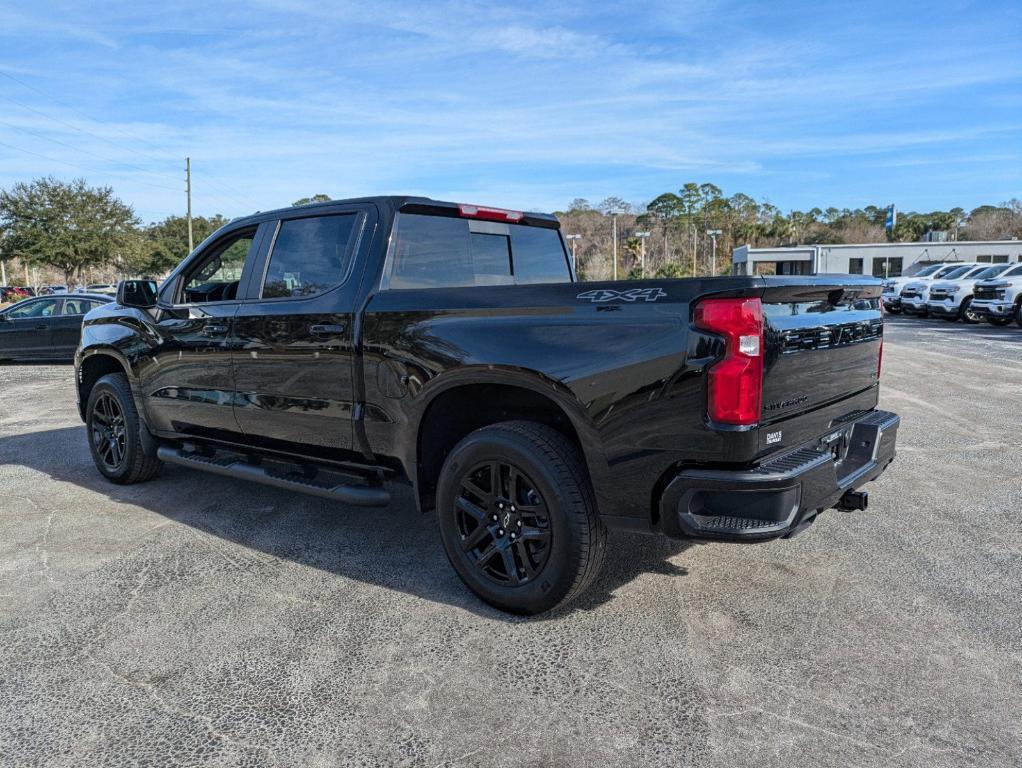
(237, 196)
(87, 152)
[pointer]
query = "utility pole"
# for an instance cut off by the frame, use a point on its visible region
(713, 234)
(188, 184)
(572, 239)
(613, 216)
(642, 250)
(695, 256)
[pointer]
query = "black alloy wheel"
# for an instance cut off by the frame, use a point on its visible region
(107, 432)
(503, 522)
(518, 516)
(122, 448)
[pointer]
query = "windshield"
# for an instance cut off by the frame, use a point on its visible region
(956, 273)
(991, 271)
(928, 271)
(946, 271)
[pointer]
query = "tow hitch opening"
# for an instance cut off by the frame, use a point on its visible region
(853, 501)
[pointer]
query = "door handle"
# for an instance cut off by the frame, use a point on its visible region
(214, 330)
(41, 327)
(327, 330)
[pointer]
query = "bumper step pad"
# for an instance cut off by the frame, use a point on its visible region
(781, 494)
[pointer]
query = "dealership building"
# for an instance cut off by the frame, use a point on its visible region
(879, 259)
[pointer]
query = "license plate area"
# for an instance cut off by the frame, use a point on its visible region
(837, 443)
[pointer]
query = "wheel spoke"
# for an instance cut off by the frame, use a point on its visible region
(510, 566)
(102, 418)
(529, 533)
(470, 485)
(523, 555)
(472, 510)
(486, 555)
(475, 538)
(512, 485)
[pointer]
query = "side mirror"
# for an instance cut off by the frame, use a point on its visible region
(140, 294)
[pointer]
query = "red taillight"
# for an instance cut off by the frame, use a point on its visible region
(490, 214)
(735, 383)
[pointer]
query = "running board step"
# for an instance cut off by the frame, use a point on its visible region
(358, 495)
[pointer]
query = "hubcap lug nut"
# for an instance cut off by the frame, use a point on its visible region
(512, 537)
(493, 518)
(500, 505)
(500, 531)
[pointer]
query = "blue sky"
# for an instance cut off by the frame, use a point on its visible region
(522, 105)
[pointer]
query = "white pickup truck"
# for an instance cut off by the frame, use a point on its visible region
(951, 299)
(916, 293)
(891, 296)
(999, 299)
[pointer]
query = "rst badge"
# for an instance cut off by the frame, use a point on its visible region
(600, 295)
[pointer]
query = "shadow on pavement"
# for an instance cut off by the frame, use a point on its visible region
(395, 547)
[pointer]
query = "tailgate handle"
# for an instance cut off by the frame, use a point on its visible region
(214, 330)
(327, 330)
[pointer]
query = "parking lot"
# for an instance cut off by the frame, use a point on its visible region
(196, 620)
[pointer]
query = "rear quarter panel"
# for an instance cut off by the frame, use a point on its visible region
(626, 371)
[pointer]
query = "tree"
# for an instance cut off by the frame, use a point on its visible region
(163, 245)
(665, 209)
(614, 205)
(69, 226)
(320, 198)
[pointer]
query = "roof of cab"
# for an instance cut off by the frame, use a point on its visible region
(389, 203)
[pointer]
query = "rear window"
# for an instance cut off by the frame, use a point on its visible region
(439, 252)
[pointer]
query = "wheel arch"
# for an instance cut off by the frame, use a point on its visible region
(469, 402)
(93, 365)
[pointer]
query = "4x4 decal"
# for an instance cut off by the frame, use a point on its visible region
(598, 295)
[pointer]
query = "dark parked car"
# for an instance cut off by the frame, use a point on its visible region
(333, 349)
(45, 327)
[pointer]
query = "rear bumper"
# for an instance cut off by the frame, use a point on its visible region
(784, 493)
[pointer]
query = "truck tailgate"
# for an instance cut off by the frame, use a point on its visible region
(822, 346)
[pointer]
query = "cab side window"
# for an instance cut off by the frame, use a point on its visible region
(42, 308)
(309, 256)
(217, 275)
(78, 306)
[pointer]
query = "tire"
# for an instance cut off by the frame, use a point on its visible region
(1018, 314)
(544, 538)
(966, 313)
(1000, 322)
(114, 431)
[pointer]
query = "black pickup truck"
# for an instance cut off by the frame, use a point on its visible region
(336, 348)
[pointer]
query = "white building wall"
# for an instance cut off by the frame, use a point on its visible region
(842, 259)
